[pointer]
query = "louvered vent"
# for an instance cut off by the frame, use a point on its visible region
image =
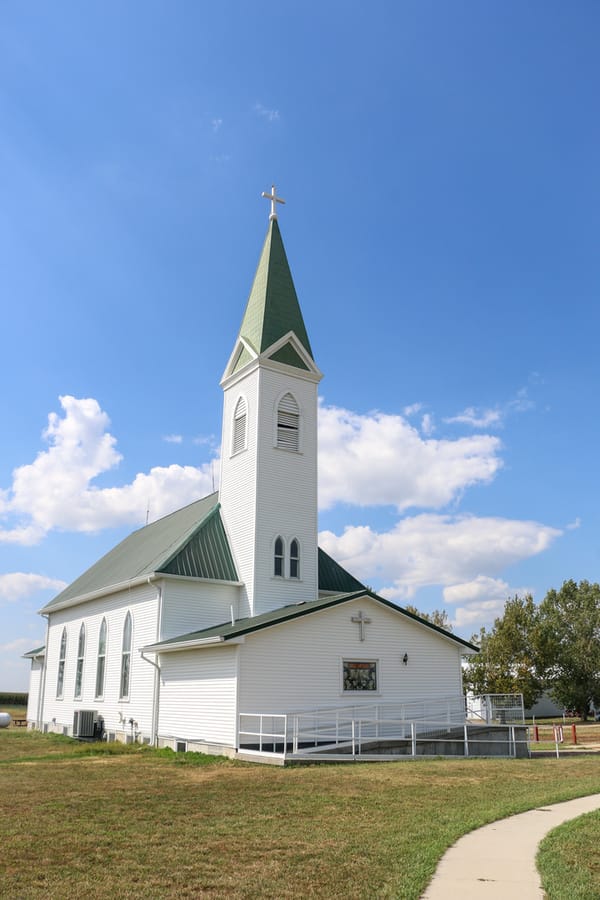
(239, 427)
(288, 423)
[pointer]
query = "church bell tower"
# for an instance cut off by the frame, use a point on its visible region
(268, 488)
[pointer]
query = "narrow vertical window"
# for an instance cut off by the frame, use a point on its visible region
(238, 442)
(288, 423)
(80, 659)
(294, 559)
(278, 558)
(101, 664)
(126, 658)
(60, 681)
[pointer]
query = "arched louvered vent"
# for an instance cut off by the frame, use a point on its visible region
(288, 423)
(240, 417)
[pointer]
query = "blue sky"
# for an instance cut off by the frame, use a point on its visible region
(440, 167)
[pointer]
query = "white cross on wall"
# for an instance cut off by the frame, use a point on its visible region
(274, 199)
(361, 620)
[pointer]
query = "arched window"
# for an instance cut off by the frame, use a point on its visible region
(101, 664)
(125, 658)
(238, 442)
(294, 559)
(278, 558)
(60, 681)
(288, 423)
(80, 659)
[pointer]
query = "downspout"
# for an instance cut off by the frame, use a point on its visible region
(156, 691)
(40, 709)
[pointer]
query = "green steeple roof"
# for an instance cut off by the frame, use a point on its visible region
(273, 309)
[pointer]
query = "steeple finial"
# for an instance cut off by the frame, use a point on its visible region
(274, 199)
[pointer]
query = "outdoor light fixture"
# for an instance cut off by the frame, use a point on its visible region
(405, 659)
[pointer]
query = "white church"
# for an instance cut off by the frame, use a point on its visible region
(223, 627)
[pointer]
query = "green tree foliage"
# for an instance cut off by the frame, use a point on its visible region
(570, 644)
(508, 661)
(438, 617)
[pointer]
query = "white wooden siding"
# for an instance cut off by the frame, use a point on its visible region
(237, 490)
(35, 681)
(143, 605)
(190, 605)
(198, 695)
(297, 665)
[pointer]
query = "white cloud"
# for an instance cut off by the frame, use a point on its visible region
(271, 115)
(173, 438)
(480, 601)
(486, 418)
(412, 409)
(379, 459)
(56, 491)
(476, 418)
(431, 549)
(216, 124)
(19, 585)
(427, 425)
(574, 525)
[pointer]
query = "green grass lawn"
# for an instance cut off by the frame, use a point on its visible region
(568, 860)
(108, 820)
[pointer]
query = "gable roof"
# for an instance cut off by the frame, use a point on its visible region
(273, 309)
(230, 631)
(332, 577)
(190, 541)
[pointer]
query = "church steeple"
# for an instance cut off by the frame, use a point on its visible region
(268, 489)
(273, 309)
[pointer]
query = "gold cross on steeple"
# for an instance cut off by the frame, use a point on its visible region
(274, 199)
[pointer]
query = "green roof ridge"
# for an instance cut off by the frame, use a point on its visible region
(273, 309)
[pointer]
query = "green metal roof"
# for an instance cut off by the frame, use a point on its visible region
(189, 541)
(273, 309)
(228, 630)
(31, 654)
(333, 578)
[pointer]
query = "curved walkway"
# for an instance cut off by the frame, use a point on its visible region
(498, 861)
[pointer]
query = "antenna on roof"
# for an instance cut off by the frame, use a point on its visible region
(147, 510)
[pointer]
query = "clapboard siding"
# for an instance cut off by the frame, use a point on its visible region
(193, 605)
(198, 695)
(237, 491)
(143, 605)
(35, 683)
(287, 495)
(297, 665)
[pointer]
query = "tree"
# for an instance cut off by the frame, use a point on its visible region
(439, 617)
(508, 661)
(570, 644)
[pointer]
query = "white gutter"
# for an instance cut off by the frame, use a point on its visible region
(191, 645)
(127, 585)
(156, 688)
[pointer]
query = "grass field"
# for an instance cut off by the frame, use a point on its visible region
(109, 820)
(568, 860)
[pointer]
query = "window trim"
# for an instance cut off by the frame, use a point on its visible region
(290, 432)
(239, 429)
(81, 641)
(62, 658)
(278, 558)
(360, 660)
(126, 658)
(101, 657)
(294, 558)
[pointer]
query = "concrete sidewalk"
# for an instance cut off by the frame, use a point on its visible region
(498, 861)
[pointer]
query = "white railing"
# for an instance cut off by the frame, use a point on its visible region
(503, 709)
(334, 732)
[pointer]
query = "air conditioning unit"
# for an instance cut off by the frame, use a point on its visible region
(84, 723)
